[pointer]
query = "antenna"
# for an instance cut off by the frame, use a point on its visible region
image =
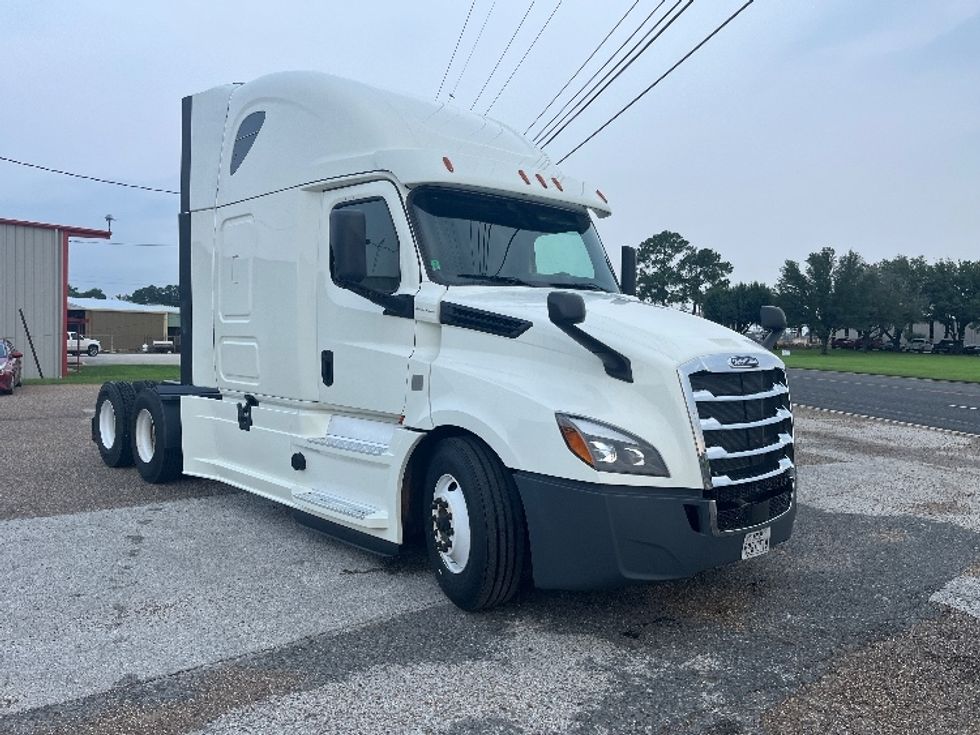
(108, 221)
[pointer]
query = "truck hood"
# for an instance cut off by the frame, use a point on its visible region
(639, 330)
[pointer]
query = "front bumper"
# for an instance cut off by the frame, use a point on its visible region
(586, 535)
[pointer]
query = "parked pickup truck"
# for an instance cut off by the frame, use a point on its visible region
(78, 344)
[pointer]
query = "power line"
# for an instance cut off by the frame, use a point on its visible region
(453, 57)
(621, 66)
(475, 44)
(506, 49)
(87, 178)
(597, 72)
(594, 52)
(501, 91)
(659, 79)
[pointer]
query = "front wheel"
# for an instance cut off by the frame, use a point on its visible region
(474, 525)
(93, 350)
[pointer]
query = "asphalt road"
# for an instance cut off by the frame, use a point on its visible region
(945, 405)
(188, 608)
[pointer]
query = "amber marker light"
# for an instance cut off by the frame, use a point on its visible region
(575, 441)
(602, 196)
(524, 176)
(557, 184)
(541, 180)
(448, 164)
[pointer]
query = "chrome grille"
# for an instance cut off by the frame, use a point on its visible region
(744, 424)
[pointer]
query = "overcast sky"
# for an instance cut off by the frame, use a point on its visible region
(848, 123)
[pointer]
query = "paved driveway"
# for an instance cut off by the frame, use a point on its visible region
(187, 608)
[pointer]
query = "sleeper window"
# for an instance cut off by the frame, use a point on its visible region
(245, 137)
(383, 270)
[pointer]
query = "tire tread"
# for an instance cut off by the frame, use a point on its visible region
(502, 513)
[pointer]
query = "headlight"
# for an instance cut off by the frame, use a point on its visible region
(608, 449)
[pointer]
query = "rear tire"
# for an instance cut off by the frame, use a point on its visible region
(141, 384)
(155, 438)
(474, 525)
(110, 425)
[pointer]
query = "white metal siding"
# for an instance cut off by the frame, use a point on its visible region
(31, 279)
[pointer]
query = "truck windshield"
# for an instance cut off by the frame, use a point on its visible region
(469, 238)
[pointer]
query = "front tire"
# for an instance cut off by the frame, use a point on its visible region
(474, 522)
(93, 350)
(155, 438)
(110, 425)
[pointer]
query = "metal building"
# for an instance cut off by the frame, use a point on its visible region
(121, 325)
(34, 282)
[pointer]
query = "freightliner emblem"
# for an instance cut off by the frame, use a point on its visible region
(743, 361)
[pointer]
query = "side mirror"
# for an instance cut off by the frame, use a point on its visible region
(628, 278)
(566, 308)
(16, 355)
(773, 320)
(348, 245)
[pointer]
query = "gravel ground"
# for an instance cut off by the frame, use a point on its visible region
(185, 609)
(50, 466)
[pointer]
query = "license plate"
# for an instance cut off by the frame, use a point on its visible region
(756, 543)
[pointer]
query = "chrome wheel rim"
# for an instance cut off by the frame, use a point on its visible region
(451, 524)
(146, 439)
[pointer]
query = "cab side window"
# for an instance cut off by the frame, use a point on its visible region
(383, 270)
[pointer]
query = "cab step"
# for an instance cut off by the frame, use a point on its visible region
(364, 515)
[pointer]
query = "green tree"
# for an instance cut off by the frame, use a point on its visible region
(672, 271)
(737, 307)
(92, 293)
(953, 291)
(158, 295)
(829, 293)
(898, 298)
(702, 269)
(658, 275)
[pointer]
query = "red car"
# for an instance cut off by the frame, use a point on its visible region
(10, 366)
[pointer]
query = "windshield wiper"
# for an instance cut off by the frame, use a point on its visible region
(492, 278)
(582, 286)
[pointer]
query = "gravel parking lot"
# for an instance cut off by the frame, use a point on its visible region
(188, 608)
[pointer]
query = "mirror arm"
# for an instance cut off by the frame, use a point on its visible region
(395, 304)
(566, 311)
(770, 340)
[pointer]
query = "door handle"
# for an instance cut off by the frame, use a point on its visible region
(326, 367)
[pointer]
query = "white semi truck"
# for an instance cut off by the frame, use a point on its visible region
(398, 319)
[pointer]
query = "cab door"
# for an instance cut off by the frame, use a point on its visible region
(364, 351)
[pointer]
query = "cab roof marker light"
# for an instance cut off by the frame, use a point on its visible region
(448, 164)
(557, 184)
(524, 176)
(602, 196)
(541, 180)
